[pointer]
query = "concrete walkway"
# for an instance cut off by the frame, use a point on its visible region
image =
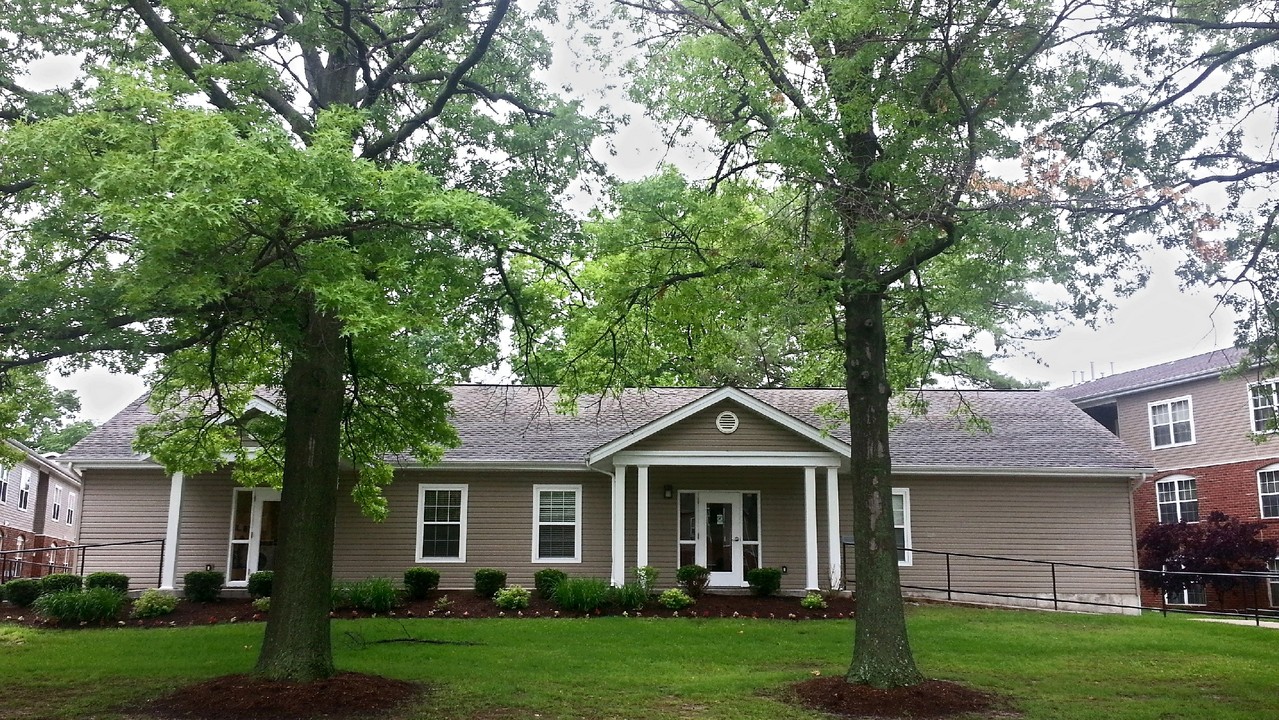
(1264, 623)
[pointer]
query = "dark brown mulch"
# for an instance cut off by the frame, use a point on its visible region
(463, 604)
(931, 699)
(244, 697)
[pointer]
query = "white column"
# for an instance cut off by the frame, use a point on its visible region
(810, 528)
(641, 518)
(832, 525)
(169, 561)
(619, 525)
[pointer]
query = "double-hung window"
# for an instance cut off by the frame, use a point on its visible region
(1178, 499)
(557, 523)
(1268, 490)
(901, 525)
(1273, 583)
(1171, 423)
(4, 485)
(57, 502)
(441, 526)
(70, 508)
(1265, 400)
(24, 489)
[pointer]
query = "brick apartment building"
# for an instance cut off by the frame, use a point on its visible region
(39, 509)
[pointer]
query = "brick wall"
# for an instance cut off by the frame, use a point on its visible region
(1230, 488)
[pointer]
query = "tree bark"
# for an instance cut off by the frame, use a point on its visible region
(881, 650)
(297, 645)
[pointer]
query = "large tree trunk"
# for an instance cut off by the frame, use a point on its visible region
(297, 645)
(881, 650)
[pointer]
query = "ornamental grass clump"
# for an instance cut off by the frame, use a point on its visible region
(631, 596)
(582, 594)
(74, 606)
(374, 595)
(513, 597)
(546, 580)
(153, 603)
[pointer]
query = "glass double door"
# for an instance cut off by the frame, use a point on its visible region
(720, 531)
(255, 514)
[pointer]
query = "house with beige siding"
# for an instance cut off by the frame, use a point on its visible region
(726, 478)
(1208, 429)
(39, 510)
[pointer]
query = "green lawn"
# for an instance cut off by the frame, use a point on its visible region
(1053, 666)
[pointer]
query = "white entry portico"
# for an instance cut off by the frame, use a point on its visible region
(721, 527)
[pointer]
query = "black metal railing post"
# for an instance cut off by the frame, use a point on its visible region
(159, 578)
(1053, 568)
(949, 596)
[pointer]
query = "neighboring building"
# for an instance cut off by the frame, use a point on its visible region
(1208, 431)
(726, 478)
(39, 508)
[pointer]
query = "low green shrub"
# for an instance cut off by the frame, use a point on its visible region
(693, 579)
(546, 580)
(153, 603)
(512, 597)
(114, 581)
(813, 601)
(764, 581)
(420, 581)
(374, 595)
(582, 594)
(60, 582)
(675, 599)
(262, 604)
(260, 584)
(488, 581)
(630, 596)
(21, 592)
(443, 604)
(75, 606)
(203, 585)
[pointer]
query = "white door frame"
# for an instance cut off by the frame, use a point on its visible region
(261, 496)
(735, 577)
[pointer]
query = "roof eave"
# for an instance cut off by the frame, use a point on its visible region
(1054, 472)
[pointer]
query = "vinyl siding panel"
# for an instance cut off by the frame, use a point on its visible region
(206, 523)
(123, 505)
(499, 527)
(1060, 519)
(754, 432)
(1222, 419)
(10, 516)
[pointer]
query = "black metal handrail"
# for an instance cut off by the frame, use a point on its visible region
(12, 569)
(1250, 580)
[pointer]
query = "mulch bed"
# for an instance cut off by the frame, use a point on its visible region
(465, 604)
(931, 699)
(244, 697)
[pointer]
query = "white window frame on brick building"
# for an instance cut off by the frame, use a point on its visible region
(1268, 490)
(1177, 493)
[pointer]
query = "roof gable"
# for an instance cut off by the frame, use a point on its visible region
(727, 396)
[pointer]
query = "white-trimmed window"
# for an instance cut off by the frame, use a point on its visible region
(24, 489)
(70, 508)
(1268, 490)
(557, 523)
(441, 523)
(4, 485)
(57, 502)
(1191, 595)
(1178, 499)
(1274, 583)
(1265, 401)
(1171, 423)
(901, 525)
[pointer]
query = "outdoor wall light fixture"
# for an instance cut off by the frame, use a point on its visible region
(668, 491)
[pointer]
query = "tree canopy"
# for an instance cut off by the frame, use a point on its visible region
(316, 200)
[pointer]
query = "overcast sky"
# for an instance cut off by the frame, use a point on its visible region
(1157, 324)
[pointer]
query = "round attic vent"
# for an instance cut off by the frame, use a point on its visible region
(726, 422)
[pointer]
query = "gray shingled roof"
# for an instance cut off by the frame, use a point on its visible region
(1213, 362)
(1029, 429)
